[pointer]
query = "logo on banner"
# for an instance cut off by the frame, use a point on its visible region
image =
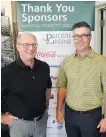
(46, 54)
(58, 38)
(54, 81)
(49, 54)
(59, 126)
(54, 66)
(53, 78)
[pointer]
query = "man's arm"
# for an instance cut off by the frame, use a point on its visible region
(48, 90)
(6, 117)
(48, 95)
(103, 78)
(104, 104)
(102, 123)
(4, 90)
(60, 98)
(62, 84)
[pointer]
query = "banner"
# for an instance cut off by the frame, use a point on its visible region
(51, 22)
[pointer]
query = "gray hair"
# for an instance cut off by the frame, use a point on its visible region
(21, 34)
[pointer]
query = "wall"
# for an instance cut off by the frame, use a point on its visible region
(7, 52)
(100, 2)
(8, 10)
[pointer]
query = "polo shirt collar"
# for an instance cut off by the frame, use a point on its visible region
(21, 63)
(90, 53)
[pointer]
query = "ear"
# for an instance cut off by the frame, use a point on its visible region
(90, 37)
(17, 47)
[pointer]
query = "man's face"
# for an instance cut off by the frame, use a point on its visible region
(82, 39)
(27, 46)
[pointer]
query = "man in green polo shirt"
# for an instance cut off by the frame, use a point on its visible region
(82, 84)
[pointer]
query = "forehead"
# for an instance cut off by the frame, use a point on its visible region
(81, 30)
(27, 38)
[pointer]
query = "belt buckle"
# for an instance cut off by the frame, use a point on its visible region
(38, 118)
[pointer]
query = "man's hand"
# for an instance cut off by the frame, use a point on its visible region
(59, 116)
(7, 118)
(102, 126)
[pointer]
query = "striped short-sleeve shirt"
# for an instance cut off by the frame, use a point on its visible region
(84, 79)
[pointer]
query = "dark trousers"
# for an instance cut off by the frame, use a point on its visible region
(4, 131)
(82, 125)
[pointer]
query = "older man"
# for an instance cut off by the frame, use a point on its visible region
(25, 83)
(82, 80)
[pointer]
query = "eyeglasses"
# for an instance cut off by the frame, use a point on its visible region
(76, 37)
(27, 45)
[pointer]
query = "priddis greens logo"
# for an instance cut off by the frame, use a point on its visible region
(58, 38)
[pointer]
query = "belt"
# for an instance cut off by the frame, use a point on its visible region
(82, 112)
(32, 119)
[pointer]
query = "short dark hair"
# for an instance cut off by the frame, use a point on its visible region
(81, 24)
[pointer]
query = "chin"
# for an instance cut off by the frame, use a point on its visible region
(81, 50)
(31, 57)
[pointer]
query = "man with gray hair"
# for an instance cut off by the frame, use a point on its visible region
(25, 83)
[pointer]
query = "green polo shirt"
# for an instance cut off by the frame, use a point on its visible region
(84, 79)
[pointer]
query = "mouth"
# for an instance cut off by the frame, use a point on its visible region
(31, 53)
(80, 45)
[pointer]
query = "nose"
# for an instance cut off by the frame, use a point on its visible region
(31, 47)
(80, 38)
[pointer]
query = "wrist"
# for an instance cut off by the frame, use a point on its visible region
(58, 109)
